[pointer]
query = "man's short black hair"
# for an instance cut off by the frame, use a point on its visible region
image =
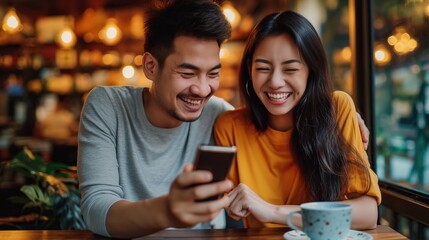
(194, 18)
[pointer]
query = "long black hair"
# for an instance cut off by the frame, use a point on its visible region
(319, 148)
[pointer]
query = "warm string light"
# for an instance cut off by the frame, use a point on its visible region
(128, 71)
(110, 34)
(382, 55)
(402, 42)
(66, 38)
(11, 22)
(231, 14)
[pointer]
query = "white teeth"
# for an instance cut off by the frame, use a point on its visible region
(278, 96)
(193, 102)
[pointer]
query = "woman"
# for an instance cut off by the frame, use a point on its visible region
(297, 139)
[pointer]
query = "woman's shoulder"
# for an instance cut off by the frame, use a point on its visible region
(232, 116)
(232, 121)
(342, 96)
(239, 112)
(343, 100)
(345, 108)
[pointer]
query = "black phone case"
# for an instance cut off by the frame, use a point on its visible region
(217, 160)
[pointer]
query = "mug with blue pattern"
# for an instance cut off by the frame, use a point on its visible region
(324, 220)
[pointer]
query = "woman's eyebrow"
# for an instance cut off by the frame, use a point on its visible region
(284, 62)
(291, 61)
(262, 61)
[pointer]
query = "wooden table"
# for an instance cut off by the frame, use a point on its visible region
(381, 232)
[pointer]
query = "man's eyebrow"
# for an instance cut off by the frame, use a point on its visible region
(216, 67)
(193, 67)
(188, 66)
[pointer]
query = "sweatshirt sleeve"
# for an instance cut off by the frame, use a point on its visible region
(97, 164)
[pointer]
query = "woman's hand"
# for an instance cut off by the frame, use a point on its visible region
(243, 202)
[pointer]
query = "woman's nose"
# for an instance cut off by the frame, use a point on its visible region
(276, 80)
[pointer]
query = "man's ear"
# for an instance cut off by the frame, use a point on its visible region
(150, 66)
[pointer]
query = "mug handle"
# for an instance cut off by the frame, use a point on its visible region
(289, 222)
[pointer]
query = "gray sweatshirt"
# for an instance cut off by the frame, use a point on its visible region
(122, 156)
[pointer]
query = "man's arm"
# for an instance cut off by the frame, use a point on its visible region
(364, 131)
(178, 209)
(97, 166)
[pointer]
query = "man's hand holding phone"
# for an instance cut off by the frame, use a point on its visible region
(189, 194)
(217, 160)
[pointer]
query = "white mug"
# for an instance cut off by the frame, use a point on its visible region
(323, 220)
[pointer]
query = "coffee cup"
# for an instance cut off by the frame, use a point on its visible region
(323, 220)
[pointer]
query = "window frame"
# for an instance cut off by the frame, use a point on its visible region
(409, 202)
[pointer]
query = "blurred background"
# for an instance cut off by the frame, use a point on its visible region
(52, 53)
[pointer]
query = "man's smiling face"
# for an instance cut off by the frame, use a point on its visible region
(189, 77)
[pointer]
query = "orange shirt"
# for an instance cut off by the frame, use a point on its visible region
(264, 160)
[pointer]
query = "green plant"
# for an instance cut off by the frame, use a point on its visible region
(50, 196)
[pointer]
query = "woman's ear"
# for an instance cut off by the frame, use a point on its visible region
(150, 66)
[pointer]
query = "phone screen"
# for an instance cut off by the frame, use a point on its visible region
(217, 160)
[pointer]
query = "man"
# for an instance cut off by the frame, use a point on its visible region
(135, 144)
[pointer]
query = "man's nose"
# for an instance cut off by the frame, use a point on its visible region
(202, 88)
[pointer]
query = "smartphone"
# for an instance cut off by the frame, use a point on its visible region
(217, 160)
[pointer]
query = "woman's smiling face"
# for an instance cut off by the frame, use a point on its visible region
(279, 74)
